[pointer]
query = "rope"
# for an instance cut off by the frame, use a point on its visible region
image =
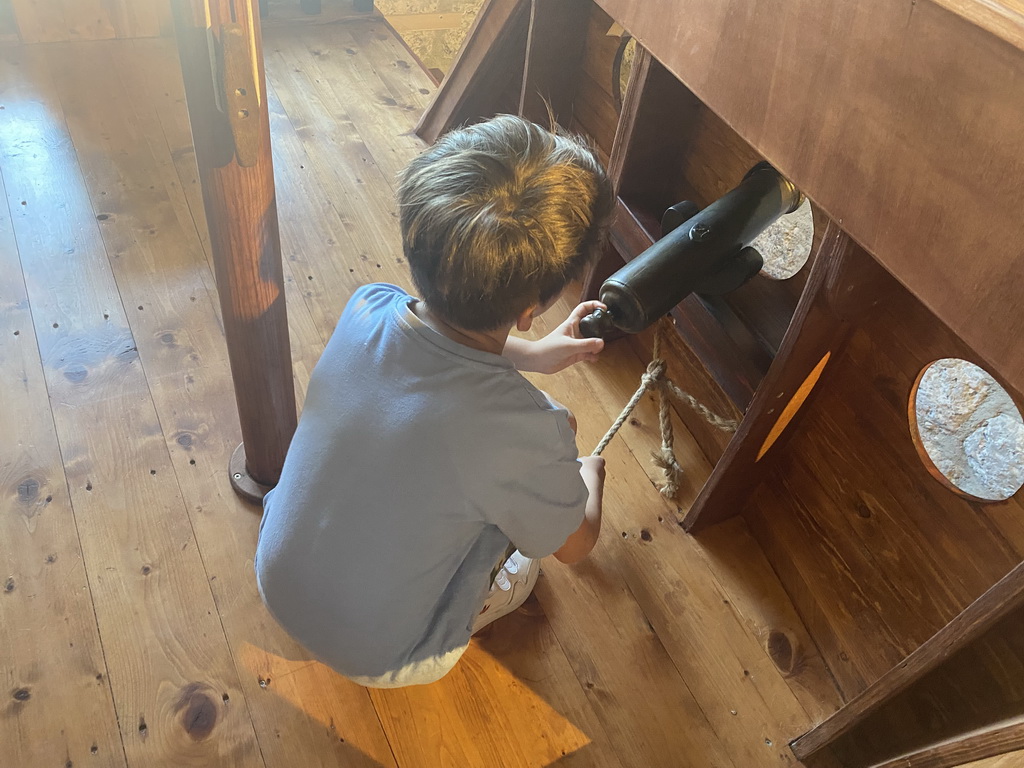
(655, 378)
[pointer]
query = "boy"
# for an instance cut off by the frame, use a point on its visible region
(422, 452)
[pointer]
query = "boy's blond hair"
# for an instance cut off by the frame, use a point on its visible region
(499, 216)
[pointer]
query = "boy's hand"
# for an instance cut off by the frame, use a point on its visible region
(594, 466)
(564, 346)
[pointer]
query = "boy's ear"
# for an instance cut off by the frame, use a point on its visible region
(525, 320)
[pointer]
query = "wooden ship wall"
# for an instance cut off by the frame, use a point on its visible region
(912, 593)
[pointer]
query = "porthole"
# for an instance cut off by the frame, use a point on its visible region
(785, 246)
(968, 431)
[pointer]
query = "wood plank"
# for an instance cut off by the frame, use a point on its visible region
(312, 227)
(139, 18)
(61, 709)
(40, 21)
(426, 21)
(945, 524)
(338, 153)
(1004, 19)
(395, 65)
(814, 333)
(867, 511)
(825, 587)
(1009, 760)
(392, 93)
(47, 21)
(87, 20)
(554, 49)
(594, 116)
(756, 594)
(169, 663)
(183, 351)
(888, 527)
(901, 603)
(965, 672)
(894, 358)
(486, 76)
(838, 97)
(594, 111)
(723, 667)
(990, 741)
(510, 685)
(592, 610)
(738, 684)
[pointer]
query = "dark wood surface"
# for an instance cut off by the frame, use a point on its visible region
(966, 678)
(876, 553)
(594, 112)
(555, 43)
(815, 332)
(241, 212)
(977, 746)
(901, 121)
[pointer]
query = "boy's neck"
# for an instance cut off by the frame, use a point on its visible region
(485, 341)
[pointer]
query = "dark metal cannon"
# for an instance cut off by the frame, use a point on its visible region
(706, 252)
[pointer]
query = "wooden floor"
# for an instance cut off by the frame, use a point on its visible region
(131, 630)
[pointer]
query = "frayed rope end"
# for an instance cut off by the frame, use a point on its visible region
(665, 459)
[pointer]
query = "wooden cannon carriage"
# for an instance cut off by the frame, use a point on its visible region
(904, 124)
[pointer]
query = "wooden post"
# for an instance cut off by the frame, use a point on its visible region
(222, 65)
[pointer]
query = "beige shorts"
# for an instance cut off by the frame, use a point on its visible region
(429, 670)
(418, 673)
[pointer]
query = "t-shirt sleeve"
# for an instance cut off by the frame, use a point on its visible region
(370, 298)
(545, 500)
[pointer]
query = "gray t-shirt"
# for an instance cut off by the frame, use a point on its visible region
(415, 461)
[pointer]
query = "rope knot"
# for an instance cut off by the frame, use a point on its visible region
(654, 373)
(655, 378)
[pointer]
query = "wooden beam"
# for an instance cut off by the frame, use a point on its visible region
(486, 76)
(404, 23)
(815, 335)
(231, 131)
(985, 743)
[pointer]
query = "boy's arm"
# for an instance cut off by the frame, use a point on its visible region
(583, 539)
(561, 348)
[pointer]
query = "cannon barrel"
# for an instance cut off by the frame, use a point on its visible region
(708, 253)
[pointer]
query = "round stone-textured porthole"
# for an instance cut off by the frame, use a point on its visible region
(785, 245)
(968, 431)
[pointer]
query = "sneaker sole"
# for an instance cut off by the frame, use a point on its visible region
(520, 592)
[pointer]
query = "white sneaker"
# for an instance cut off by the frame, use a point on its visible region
(512, 585)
